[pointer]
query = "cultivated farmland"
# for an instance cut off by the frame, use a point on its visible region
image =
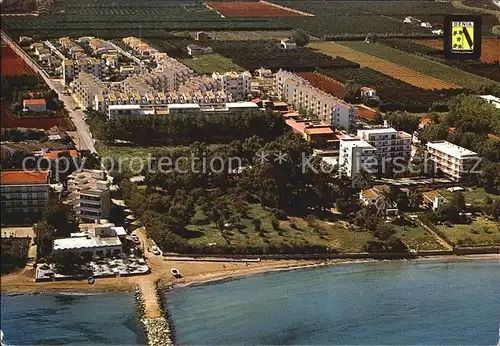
(12, 64)
(255, 54)
(423, 65)
(250, 9)
(395, 94)
(384, 66)
(325, 83)
(490, 48)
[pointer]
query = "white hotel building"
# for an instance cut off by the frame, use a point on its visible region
(372, 148)
(452, 160)
(301, 94)
(237, 84)
(388, 142)
(355, 154)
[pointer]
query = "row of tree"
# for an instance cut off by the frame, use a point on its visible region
(177, 129)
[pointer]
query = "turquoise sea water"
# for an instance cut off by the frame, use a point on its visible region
(50, 319)
(377, 303)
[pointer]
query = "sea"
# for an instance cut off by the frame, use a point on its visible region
(394, 302)
(397, 302)
(71, 319)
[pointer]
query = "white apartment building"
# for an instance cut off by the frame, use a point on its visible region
(90, 195)
(88, 92)
(117, 111)
(301, 94)
(388, 142)
(236, 84)
(452, 160)
(355, 154)
(24, 192)
(72, 68)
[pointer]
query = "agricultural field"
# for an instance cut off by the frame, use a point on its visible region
(432, 49)
(344, 19)
(294, 231)
(325, 83)
(437, 71)
(250, 9)
(379, 64)
(146, 18)
(249, 35)
(12, 64)
(395, 94)
(490, 48)
(252, 55)
(209, 63)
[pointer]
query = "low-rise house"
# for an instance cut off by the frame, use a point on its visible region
(194, 49)
(36, 105)
(320, 135)
(495, 101)
(202, 36)
(263, 73)
(367, 93)
(288, 44)
(375, 197)
(95, 243)
(432, 200)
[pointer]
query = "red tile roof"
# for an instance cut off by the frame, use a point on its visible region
(18, 177)
(54, 154)
(34, 102)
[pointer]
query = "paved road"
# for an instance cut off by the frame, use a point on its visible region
(77, 115)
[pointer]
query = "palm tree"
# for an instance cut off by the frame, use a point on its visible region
(363, 179)
(385, 201)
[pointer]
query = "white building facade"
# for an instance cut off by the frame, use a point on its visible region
(301, 94)
(452, 160)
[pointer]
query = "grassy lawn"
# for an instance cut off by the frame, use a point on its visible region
(481, 232)
(417, 236)
(474, 196)
(294, 230)
(420, 64)
(209, 63)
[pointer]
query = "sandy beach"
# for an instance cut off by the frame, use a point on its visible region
(193, 272)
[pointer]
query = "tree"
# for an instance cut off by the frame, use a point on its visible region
(300, 37)
(378, 119)
(44, 234)
(257, 224)
(67, 262)
(458, 200)
(363, 179)
(403, 121)
(347, 207)
(55, 215)
(416, 198)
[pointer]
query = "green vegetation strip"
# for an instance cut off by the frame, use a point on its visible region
(420, 64)
(209, 63)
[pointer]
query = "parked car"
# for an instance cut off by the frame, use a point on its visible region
(175, 273)
(155, 250)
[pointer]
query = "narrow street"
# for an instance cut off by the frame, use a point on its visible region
(77, 115)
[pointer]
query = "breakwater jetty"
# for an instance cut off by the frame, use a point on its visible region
(152, 316)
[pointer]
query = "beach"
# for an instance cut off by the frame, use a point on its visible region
(193, 272)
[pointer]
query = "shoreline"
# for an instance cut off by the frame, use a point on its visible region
(166, 282)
